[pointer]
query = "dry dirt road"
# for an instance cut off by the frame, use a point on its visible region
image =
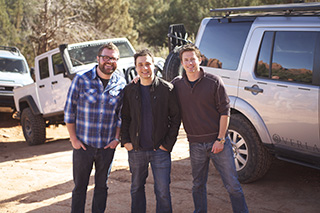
(38, 179)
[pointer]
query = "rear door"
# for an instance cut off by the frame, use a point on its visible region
(52, 85)
(284, 87)
(44, 83)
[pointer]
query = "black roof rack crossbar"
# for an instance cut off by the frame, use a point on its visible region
(11, 49)
(272, 8)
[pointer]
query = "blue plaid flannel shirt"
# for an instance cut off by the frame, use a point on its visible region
(94, 110)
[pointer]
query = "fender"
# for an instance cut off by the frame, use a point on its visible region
(31, 103)
(253, 116)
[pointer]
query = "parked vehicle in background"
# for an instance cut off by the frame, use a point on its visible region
(269, 64)
(42, 103)
(14, 72)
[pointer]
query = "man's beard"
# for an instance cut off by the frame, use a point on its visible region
(107, 71)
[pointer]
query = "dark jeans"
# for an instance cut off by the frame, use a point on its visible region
(200, 155)
(82, 165)
(161, 168)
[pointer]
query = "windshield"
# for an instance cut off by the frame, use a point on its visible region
(87, 53)
(12, 65)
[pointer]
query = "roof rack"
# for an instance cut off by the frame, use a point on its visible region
(11, 49)
(287, 8)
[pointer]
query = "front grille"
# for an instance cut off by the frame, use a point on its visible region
(6, 88)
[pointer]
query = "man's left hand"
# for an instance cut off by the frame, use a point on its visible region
(217, 147)
(112, 145)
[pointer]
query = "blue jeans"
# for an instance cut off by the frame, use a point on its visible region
(82, 165)
(200, 155)
(161, 168)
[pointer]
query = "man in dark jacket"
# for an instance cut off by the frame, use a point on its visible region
(150, 125)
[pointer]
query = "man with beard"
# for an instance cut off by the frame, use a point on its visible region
(92, 116)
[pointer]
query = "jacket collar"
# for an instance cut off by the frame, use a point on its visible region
(154, 84)
(185, 77)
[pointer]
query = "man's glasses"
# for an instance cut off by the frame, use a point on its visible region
(108, 58)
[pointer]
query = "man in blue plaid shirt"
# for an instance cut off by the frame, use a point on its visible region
(92, 116)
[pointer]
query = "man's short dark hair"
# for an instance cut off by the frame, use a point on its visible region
(143, 52)
(110, 46)
(190, 47)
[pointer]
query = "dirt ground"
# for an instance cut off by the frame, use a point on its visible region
(38, 179)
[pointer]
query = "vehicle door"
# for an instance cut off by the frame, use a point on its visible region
(284, 87)
(43, 81)
(59, 84)
(52, 85)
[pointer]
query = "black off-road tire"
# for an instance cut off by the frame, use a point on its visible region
(252, 159)
(130, 74)
(172, 66)
(34, 127)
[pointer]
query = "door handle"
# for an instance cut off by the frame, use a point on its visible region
(54, 82)
(254, 89)
(41, 86)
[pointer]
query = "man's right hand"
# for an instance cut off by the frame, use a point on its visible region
(128, 146)
(135, 79)
(76, 144)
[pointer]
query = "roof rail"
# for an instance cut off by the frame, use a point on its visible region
(288, 8)
(11, 49)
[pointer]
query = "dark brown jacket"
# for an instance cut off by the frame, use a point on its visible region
(202, 106)
(165, 113)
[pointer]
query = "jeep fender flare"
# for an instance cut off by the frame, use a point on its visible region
(31, 103)
(253, 116)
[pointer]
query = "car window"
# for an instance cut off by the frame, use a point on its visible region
(44, 68)
(12, 65)
(124, 49)
(286, 59)
(86, 54)
(222, 43)
(57, 64)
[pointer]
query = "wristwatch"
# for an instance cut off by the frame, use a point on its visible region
(221, 140)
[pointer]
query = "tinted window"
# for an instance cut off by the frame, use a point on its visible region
(291, 57)
(57, 64)
(265, 55)
(222, 43)
(44, 68)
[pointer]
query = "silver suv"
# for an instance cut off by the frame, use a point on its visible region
(270, 65)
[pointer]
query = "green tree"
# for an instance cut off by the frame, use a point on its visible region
(150, 20)
(112, 18)
(8, 34)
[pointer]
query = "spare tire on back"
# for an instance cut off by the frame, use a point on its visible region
(172, 66)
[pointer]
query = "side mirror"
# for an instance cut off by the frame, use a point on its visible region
(32, 74)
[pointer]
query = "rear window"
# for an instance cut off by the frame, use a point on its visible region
(223, 41)
(286, 59)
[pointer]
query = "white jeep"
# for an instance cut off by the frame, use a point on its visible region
(14, 72)
(42, 103)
